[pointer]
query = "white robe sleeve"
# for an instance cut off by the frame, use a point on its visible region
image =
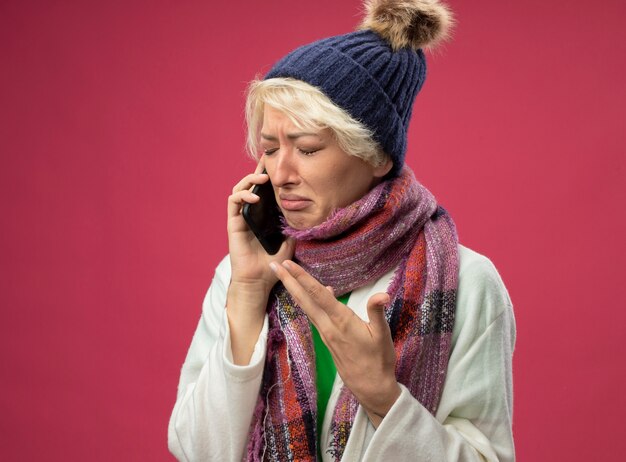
(216, 398)
(474, 418)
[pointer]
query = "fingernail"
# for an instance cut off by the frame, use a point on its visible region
(254, 195)
(287, 264)
(273, 266)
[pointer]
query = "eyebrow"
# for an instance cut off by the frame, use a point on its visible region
(291, 136)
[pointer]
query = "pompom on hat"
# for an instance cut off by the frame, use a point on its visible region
(375, 72)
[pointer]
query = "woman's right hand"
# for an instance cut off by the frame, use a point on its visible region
(251, 277)
(249, 260)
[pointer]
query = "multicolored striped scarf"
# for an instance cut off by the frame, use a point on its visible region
(399, 225)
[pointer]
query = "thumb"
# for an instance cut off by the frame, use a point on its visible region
(376, 311)
(287, 248)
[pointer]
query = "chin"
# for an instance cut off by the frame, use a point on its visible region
(301, 223)
(298, 224)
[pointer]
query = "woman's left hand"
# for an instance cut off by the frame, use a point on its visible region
(363, 352)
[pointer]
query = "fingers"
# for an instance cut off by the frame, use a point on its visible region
(242, 192)
(261, 165)
(313, 297)
(236, 201)
(376, 312)
(250, 180)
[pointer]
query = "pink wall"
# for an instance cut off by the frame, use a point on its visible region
(121, 134)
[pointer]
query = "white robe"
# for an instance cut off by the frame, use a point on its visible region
(216, 399)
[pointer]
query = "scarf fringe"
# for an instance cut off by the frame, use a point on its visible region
(397, 224)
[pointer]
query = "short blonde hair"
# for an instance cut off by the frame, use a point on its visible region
(308, 109)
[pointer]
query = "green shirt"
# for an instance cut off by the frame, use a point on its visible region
(326, 371)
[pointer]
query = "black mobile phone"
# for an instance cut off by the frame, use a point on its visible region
(264, 218)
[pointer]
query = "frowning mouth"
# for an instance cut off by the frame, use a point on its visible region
(293, 202)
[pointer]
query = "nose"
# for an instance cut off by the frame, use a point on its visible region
(282, 168)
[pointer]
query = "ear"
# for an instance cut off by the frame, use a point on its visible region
(384, 168)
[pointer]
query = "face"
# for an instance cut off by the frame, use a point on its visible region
(311, 174)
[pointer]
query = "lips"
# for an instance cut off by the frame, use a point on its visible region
(293, 202)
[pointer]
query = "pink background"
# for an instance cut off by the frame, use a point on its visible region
(121, 134)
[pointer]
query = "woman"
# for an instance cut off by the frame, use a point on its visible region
(422, 331)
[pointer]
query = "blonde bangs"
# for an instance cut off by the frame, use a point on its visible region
(309, 109)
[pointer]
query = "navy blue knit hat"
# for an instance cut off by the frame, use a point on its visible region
(374, 73)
